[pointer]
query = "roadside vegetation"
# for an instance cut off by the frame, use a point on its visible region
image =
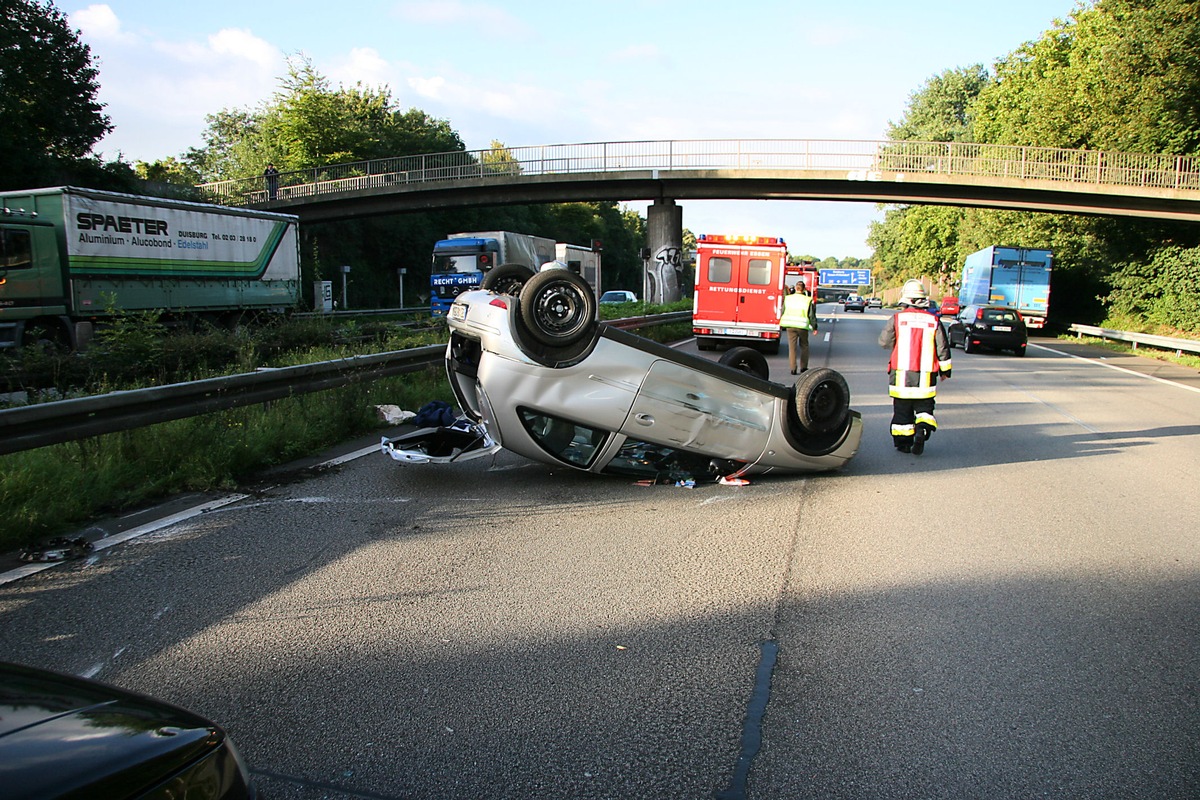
(55, 490)
(1114, 75)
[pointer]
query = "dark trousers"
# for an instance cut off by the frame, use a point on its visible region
(910, 417)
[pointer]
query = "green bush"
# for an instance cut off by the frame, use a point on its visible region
(1164, 292)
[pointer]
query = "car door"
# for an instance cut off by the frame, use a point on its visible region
(683, 407)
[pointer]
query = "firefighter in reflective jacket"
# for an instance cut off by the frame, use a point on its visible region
(920, 355)
(799, 317)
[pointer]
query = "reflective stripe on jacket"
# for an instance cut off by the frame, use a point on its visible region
(798, 312)
(920, 351)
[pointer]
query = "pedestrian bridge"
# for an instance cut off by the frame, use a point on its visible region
(940, 173)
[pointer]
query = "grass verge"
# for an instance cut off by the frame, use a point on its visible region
(52, 490)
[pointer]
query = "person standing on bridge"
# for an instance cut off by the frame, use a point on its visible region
(799, 317)
(272, 177)
(920, 355)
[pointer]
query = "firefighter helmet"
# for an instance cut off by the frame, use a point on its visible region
(914, 294)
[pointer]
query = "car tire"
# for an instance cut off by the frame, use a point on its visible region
(507, 279)
(822, 401)
(1020, 351)
(967, 348)
(746, 359)
(558, 308)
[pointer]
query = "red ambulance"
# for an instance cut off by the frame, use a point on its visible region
(739, 291)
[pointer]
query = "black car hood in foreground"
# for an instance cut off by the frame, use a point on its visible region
(62, 736)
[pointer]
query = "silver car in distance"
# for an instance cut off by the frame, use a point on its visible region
(535, 372)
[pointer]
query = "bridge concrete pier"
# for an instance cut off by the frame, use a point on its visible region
(664, 238)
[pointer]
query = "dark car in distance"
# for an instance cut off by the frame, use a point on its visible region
(63, 736)
(989, 327)
(854, 303)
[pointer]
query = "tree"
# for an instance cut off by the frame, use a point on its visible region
(310, 124)
(1122, 75)
(940, 111)
(499, 160)
(913, 241)
(51, 119)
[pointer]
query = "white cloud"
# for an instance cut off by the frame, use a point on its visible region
(99, 22)
(363, 65)
(160, 111)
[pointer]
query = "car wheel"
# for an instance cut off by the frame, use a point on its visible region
(967, 348)
(822, 400)
(558, 307)
(507, 278)
(746, 359)
(1020, 351)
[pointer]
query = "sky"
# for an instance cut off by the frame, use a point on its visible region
(530, 72)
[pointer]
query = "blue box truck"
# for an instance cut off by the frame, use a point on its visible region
(1017, 277)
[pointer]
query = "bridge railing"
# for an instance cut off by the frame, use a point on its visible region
(861, 160)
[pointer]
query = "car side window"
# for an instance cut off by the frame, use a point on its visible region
(644, 460)
(574, 443)
(720, 270)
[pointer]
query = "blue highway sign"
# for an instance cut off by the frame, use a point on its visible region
(845, 277)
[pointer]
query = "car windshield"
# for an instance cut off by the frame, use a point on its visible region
(999, 315)
(463, 263)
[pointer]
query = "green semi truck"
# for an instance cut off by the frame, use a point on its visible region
(71, 258)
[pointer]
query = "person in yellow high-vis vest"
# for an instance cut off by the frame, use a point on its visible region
(920, 355)
(799, 317)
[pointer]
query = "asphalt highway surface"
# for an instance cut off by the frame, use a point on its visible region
(1013, 614)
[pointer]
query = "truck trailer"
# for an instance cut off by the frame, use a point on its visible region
(1009, 276)
(71, 258)
(461, 259)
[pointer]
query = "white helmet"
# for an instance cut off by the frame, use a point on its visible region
(914, 293)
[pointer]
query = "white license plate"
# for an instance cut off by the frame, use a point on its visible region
(458, 312)
(1002, 327)
(732, 331)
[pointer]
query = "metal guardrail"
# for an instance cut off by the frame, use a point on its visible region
(343, 313)
(861, 160)
(42, 424)
(1149, 339)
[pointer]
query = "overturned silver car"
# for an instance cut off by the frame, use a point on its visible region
(535, 372)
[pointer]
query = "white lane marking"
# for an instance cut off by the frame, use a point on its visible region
(150, 527)
(1100, 363)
